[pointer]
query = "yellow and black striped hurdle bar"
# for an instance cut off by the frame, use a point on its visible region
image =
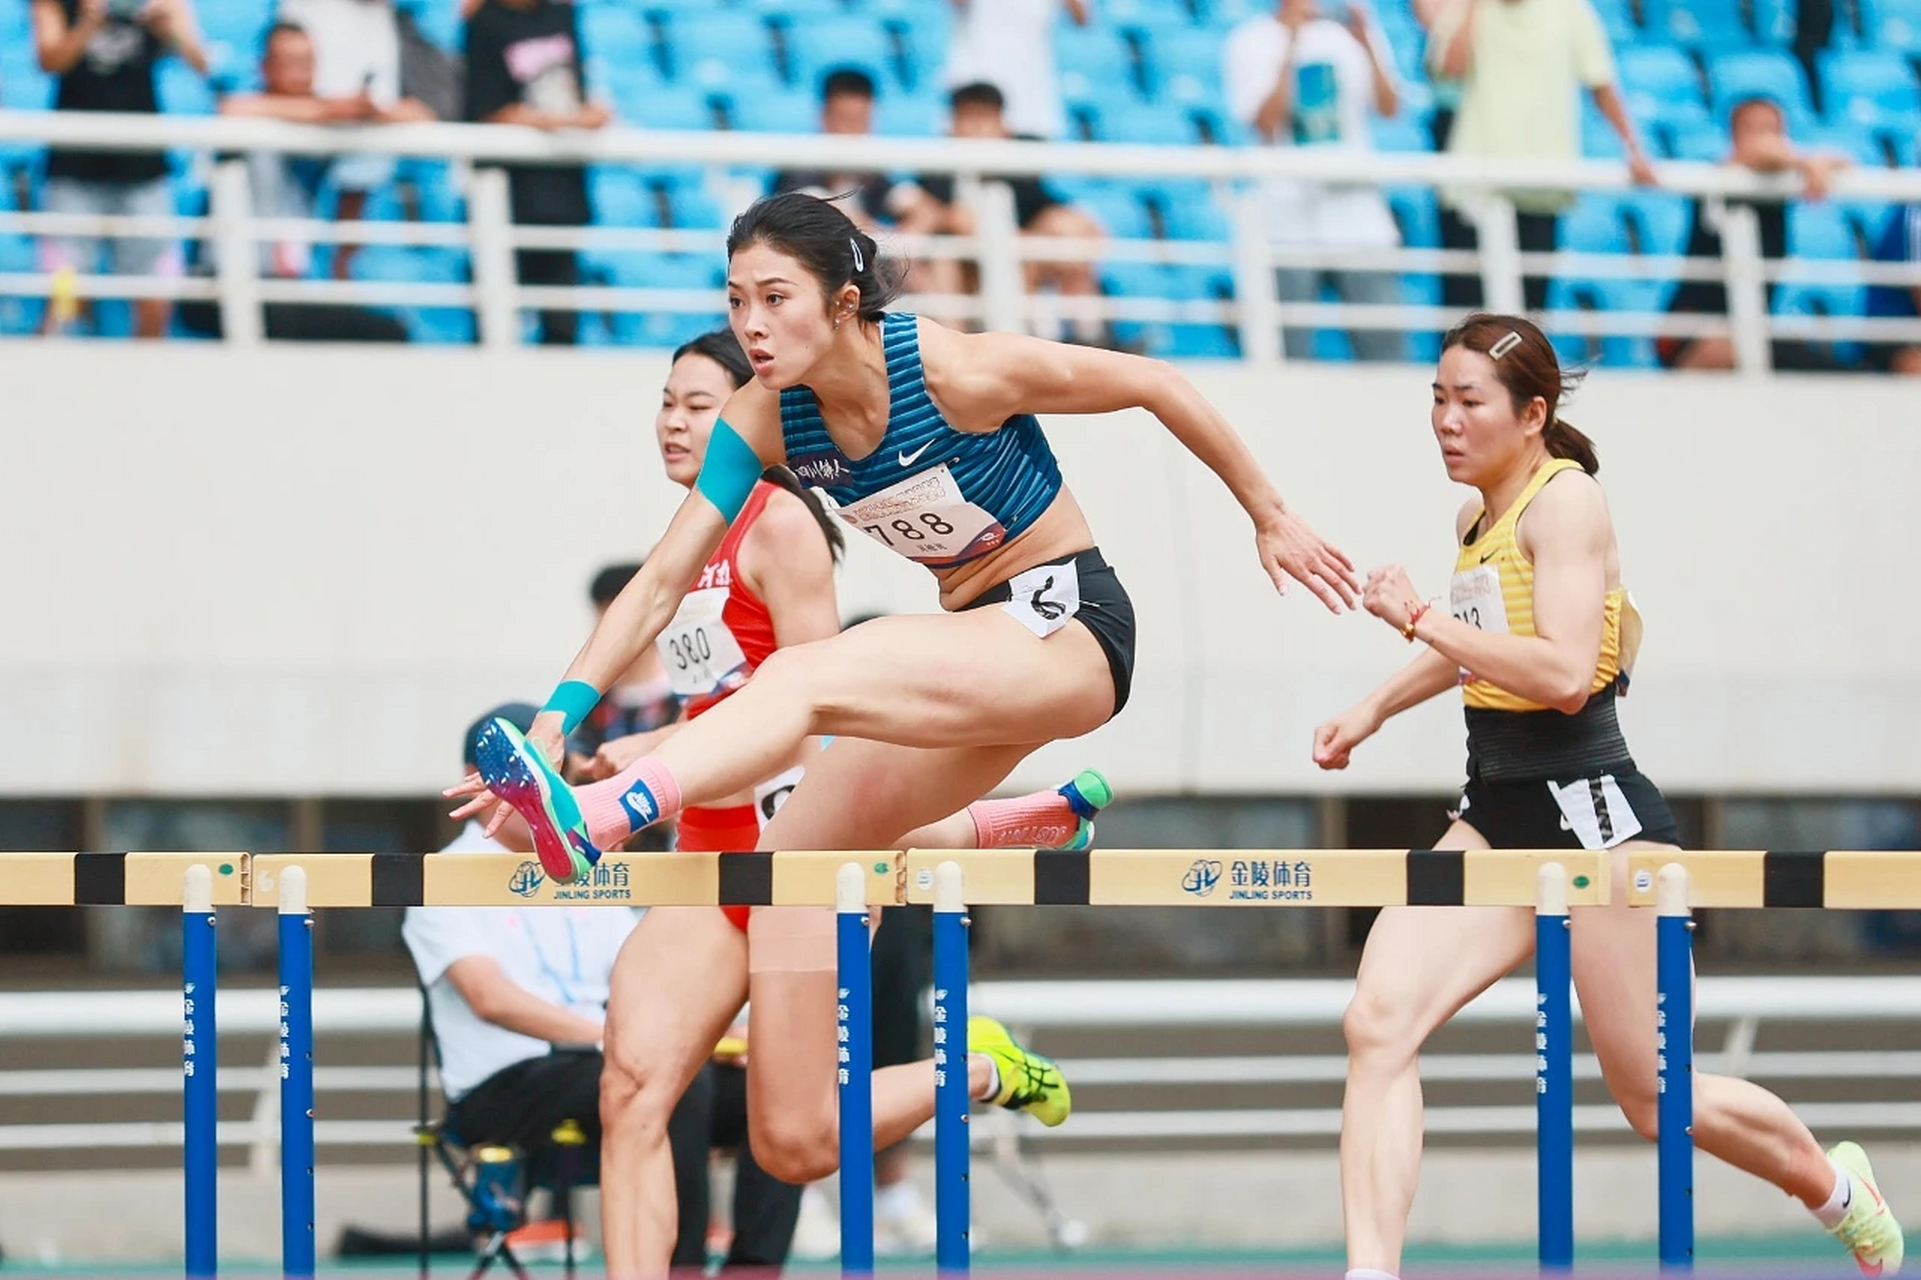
(1550, 881)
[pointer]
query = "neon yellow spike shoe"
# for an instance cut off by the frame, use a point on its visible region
(1086, 795)
(1869, 1230)
(1029, 1082)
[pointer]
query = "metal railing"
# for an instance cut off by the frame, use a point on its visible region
(732, 160)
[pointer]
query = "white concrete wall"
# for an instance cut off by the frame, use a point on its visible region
(303, 571)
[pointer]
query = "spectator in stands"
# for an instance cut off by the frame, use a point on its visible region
(1899, 244)
(1520, 64)
(1298, 78)
(356, 50)
(979, 112)
(284, 185)
(103, 52)
(1010, 45)
(524, 67)
(518, 998)
(1758, 132)
(847, 110)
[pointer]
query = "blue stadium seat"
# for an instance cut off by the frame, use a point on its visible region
(1760, 73)
(911, 115)
(393, 263)
(1894, 25)
(1707, 143)
(619, 197)
(925, 31)
(1405, 131)
(23, 86)
(1144, 124)
(1774, 21)
(1199, 339)
(181, 90)
(1700, 24)
(817, 44)
(1118, 207)
(1618, 17)
(1097, 55)
(18, 316)
(437, 20)
(1127, 13)
(1187, 209)
(1223, 14)
(1169, 53)
(640, 270)
(685, 107)
(1870, 88)
(776, 111)
(1657, 222)
(1659, 82)
(731, 37)
(616, 35)
(1822, 231)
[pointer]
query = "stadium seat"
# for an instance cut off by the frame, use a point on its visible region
(1894, 25)
(1656, 222)
(775, 111)
(686, 107)
(732, 37)
(1098, 56)
(1618, 17)
(924, 30)
(817, 44)
(1774, 21)
(640, 270)
(23, 86)
(1700, 24)
(616, 35)
(1169, 53)
(1118, 207)
(1659, 82)
(1822, 230)
(435, 265)
(1127, 13)
(1187, 210)
(1760, 73)
(916, 115)
(1870, 88)
(619, 197)
(1143, 124)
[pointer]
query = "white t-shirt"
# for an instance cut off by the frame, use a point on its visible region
(1333, 100)
(352, 40)
(1010, 45)
(562, 954)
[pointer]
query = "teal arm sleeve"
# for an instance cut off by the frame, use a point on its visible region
(575, 700)
(730, 471)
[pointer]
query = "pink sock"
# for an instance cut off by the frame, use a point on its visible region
(1041, 820)
(640, 795)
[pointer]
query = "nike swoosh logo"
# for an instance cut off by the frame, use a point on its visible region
(1490, 555)
(909, 459)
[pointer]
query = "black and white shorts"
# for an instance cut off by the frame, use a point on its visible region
(1578, 813)
(1078, 588)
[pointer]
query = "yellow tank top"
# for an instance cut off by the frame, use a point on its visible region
(1493, 589)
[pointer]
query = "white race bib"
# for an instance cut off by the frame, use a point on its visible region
(925, 518)
(1045, 597)
(698, 650)
(1475, 597)
(1596, 812)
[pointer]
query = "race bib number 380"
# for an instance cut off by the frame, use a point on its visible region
(697, 648)
(925, 518)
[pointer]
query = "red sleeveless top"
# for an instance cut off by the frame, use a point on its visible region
(722, 632)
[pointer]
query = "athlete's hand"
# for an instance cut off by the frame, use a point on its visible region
(1336, 740)
(547, 738)
(1390, 596)
(618, 753)
(1289, 549)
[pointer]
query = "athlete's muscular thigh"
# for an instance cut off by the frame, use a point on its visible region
(977, 678)
(862, 794)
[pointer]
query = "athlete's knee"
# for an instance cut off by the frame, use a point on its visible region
(636, 1097)
(796, 1148)
(1380, 1029)
(1641, 1108)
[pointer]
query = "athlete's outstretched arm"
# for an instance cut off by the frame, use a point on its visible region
(1566, 531)
(998, 375)
(644, 607)
(1430, 674)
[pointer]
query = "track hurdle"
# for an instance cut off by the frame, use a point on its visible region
(953, 881)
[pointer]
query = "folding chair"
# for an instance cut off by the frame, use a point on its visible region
(495, 1180)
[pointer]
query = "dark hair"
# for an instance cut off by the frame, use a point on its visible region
(608, 583)
(277, 30)
(978, 94)
(1526, 365)
(723, 348)
(850, 82)
(825, 241)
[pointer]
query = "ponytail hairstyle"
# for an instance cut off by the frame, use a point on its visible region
(720, 346)
(815, 233)
(1525, 363)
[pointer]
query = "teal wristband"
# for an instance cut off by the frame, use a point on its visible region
(729, 472)
(575, 700)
